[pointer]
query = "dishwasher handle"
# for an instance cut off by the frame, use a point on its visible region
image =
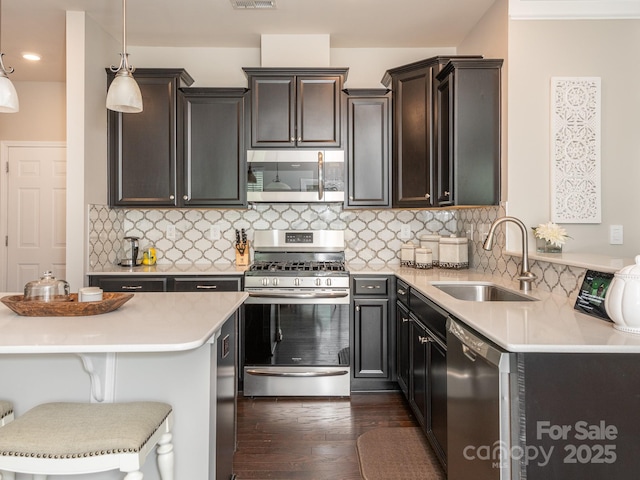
(474, 346)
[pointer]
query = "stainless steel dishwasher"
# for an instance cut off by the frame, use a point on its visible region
(479, 385)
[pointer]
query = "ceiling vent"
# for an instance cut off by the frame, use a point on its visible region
(250, 4)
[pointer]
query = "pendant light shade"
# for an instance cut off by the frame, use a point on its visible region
(124, 93)
(8, 95)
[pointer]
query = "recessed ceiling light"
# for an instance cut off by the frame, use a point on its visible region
(245, 4)
(34, 57)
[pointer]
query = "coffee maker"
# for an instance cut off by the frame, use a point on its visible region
(129, 256)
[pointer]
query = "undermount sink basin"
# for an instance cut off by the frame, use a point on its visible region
(482, 292)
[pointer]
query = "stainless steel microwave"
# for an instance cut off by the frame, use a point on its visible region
(295, 176)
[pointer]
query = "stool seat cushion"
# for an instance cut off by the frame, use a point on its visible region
(5, 408)
(72, 430)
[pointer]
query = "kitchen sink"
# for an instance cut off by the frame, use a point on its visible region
(482, 292)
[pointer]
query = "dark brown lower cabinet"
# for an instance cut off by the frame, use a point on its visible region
(422, 364)
(372, 335)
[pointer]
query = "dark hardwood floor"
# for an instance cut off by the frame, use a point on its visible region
(311, 438)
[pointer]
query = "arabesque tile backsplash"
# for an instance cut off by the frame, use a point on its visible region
(371, 236)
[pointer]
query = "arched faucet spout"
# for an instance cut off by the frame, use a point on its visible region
(525, 277)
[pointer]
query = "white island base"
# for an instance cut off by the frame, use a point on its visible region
(180, 370)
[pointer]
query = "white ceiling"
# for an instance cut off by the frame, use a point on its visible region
(39, 25)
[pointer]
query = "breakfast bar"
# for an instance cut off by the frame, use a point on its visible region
(157, 346)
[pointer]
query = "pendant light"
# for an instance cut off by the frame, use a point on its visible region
(8, 95)
(124, 93)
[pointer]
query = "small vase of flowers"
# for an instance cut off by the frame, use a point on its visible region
(550, 237)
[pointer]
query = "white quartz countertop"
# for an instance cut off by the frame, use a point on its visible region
(548, 325)
(171, 269)
(149, 322)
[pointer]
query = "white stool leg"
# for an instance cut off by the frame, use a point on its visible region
(7, 475)
(133, 476)
(165, 457)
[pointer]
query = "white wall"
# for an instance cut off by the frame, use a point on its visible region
(90, 49)
(222, 67)
(539, 50)
(41, 116)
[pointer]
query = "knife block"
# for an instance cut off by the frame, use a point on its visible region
(243, 260)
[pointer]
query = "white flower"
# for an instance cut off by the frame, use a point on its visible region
(551, 232)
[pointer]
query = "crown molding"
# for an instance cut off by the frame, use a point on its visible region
(573, 9)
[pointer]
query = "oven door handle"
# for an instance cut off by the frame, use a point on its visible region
(298, 295)
(268, 373)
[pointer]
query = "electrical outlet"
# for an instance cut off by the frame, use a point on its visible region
(483, 230)
(214, 232)
(616, 235)
(171, 232)
(405, 231)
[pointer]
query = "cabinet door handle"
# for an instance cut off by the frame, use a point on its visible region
(185, 197)
(401, 292)
(206, 287)
(293, 140)
(427, 195)
(404, 320)
(131, 287)
(357, 308)
(424, 340)
(446, 194)
(171, 197)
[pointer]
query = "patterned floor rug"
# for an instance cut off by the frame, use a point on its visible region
(397, 453)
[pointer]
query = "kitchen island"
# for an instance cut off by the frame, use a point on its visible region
(157, 346)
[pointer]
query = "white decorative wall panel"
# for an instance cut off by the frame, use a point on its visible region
(575, 150)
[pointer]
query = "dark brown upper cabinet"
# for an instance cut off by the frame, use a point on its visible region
(296, 107)
(213, 153)
(142, 147)
(414, 144)
(468, 161)
(368, 148)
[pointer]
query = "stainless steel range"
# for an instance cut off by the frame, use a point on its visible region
(295, 335)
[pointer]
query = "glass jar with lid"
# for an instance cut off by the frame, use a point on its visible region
(47, 289)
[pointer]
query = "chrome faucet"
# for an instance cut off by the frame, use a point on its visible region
(525, 277)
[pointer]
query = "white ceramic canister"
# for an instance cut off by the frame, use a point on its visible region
(432, 242)
(90, 294)
(424, 258)
(622, 300)
(408, 254)
(454, 252)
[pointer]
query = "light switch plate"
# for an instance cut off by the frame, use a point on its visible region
(616, 235)
(214, 232)
(405, 231)
(171, 232)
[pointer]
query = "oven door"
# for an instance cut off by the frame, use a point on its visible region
(296, 345)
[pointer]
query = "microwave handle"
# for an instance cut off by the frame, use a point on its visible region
(320, 175)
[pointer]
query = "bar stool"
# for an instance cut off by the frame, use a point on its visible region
(6, 415)
(6, 412)
(74, 438)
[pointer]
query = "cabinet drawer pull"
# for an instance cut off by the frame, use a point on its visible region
(206, 287)
(371, 286)
(131, 287)
(401, 292)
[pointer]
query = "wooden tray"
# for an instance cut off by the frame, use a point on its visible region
(72, 308)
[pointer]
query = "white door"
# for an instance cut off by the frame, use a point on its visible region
(34, 206)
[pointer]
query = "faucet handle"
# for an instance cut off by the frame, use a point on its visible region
(526, 279)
